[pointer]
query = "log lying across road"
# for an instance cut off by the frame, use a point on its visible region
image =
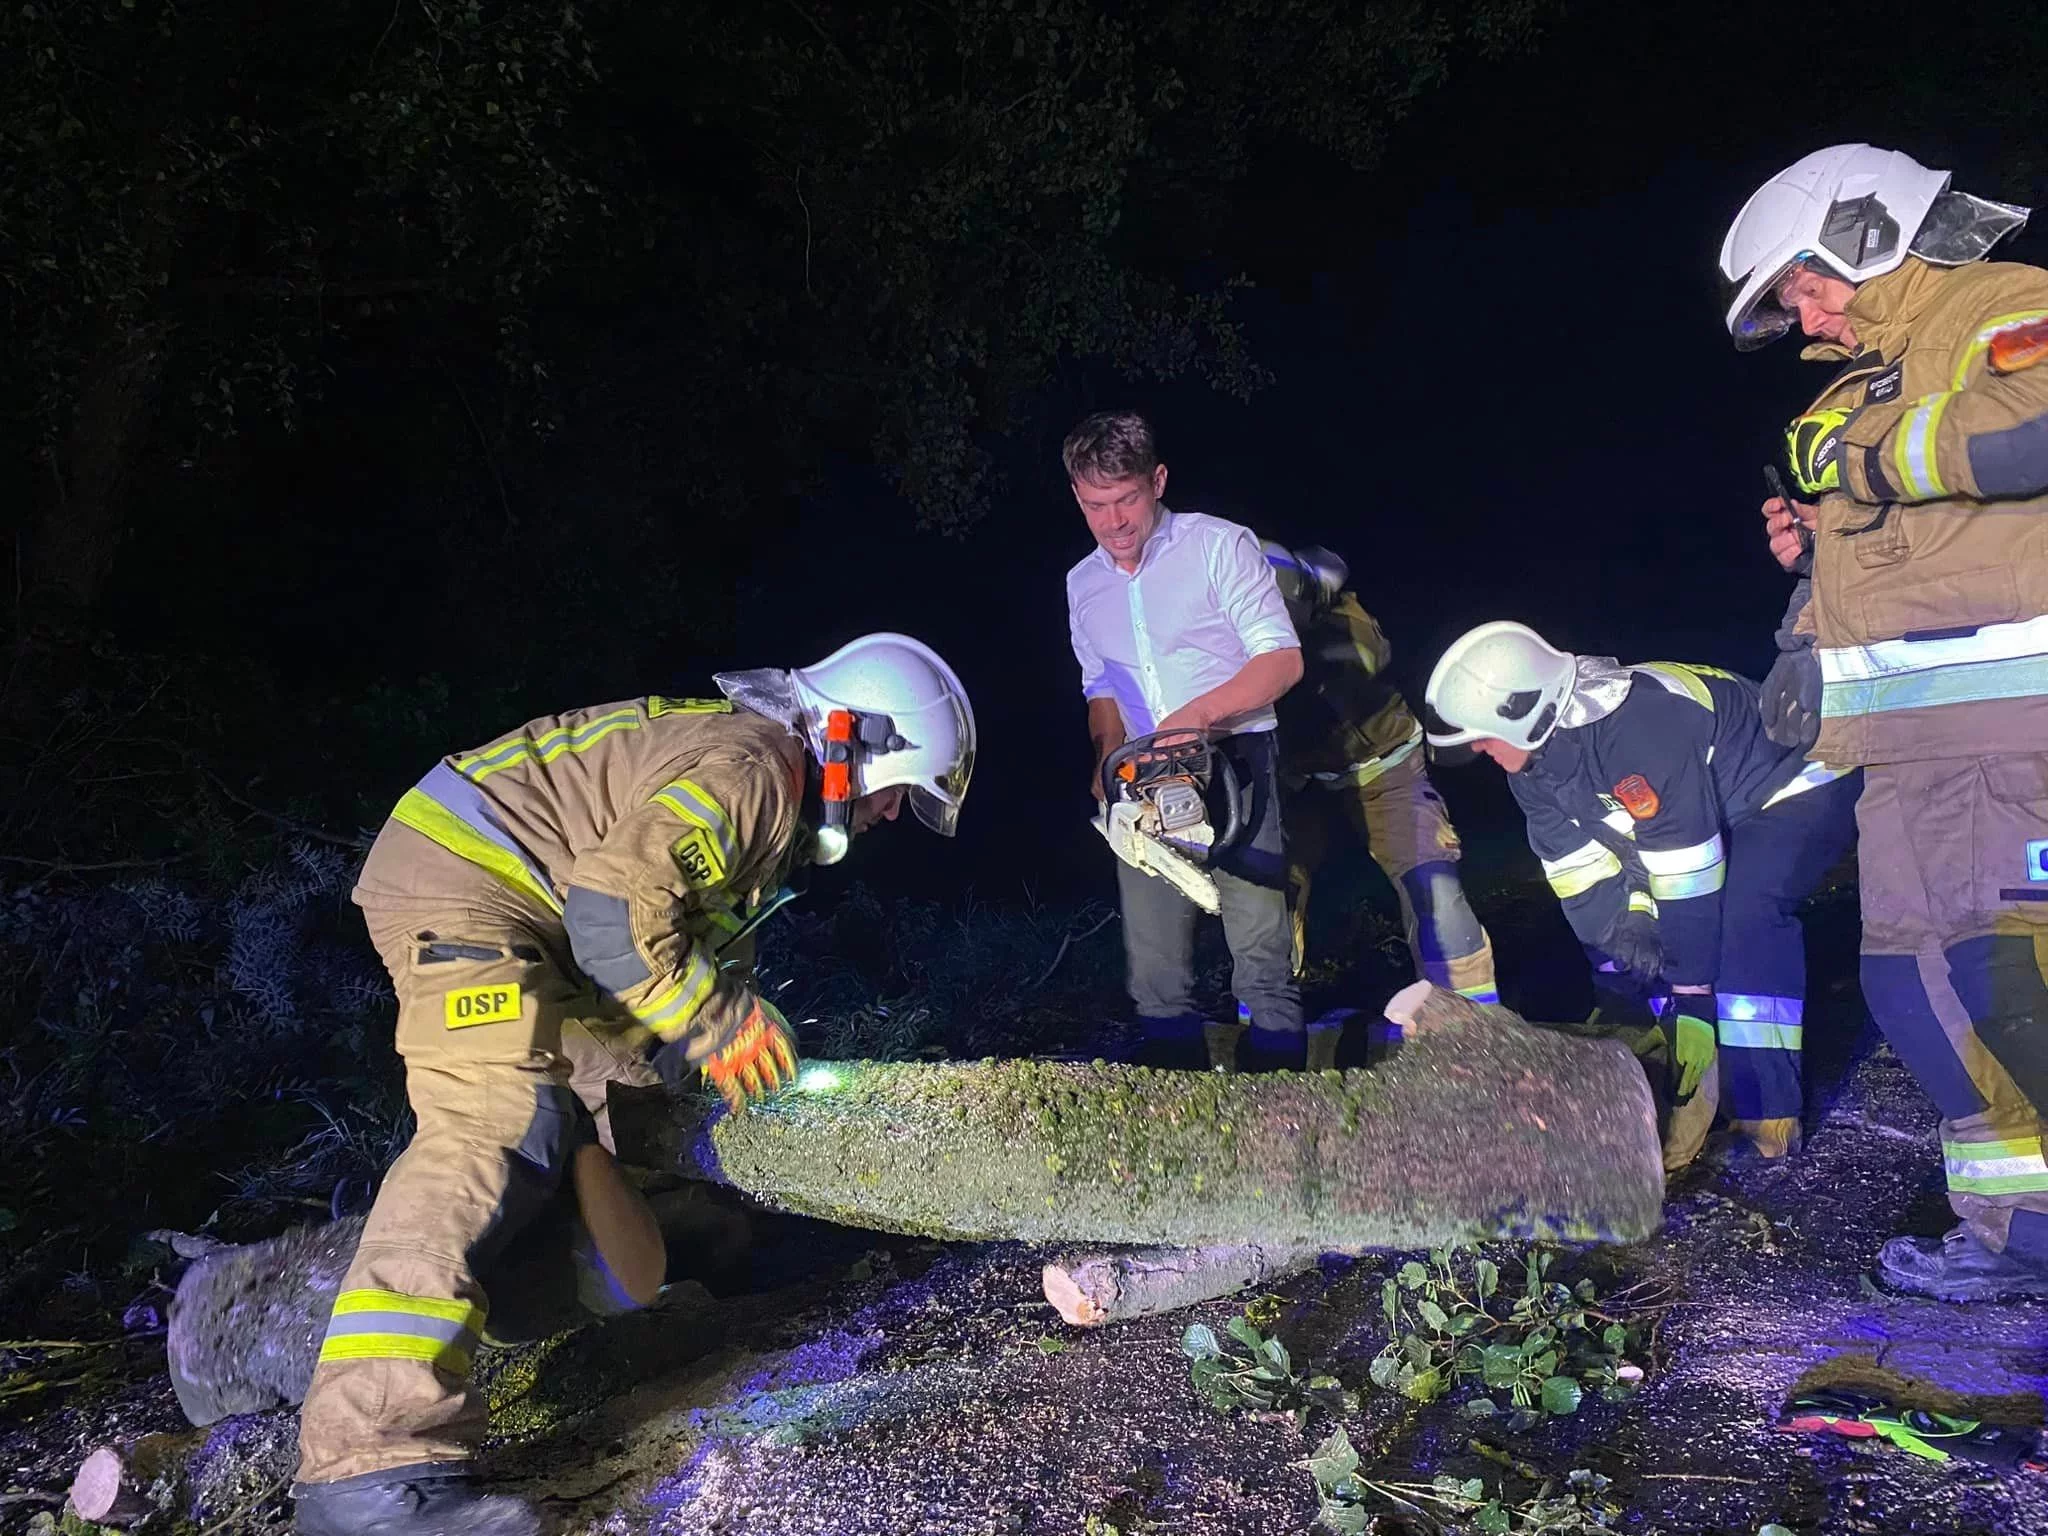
(1477, 1126)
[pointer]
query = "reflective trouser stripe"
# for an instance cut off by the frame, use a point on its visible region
(1812, 776)
(1997, 661)
(2013, 1167)
(1678, 873)
(1480, 994)
(1357, 775)
(1759, 1021)
(454, 813)
(1642, 901)
(390, 1325)
(671, 1011)
(1581, 869)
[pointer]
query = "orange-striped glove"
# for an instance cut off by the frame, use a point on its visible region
(757, 1060)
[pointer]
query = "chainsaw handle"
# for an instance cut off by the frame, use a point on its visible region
(1233, 803)
(1186, 751)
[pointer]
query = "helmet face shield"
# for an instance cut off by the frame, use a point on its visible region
(1765, 316)
(939, 807)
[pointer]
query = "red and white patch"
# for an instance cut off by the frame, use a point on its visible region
(1636, 797)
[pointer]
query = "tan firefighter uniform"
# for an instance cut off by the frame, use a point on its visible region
(1351, 752)
(1930, 608)
(614, 846)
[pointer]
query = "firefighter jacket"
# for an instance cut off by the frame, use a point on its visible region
(648, 829)
(1344, 719)
(1631, 810)
(1930, 571)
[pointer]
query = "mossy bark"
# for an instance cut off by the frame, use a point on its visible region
(1476, 1126)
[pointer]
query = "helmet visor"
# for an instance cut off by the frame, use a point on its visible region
(1757, 314)
(938, 805)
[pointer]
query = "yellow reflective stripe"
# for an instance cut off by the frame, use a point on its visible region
(1581, 869)
(549, 745)
(430, 818)
(1977, 348)
(670, 1013)
(1680, 679)
(695, 805)
(2013, 1167)
(1913, 454)
(447, 1310)
(1641, 901)
(452, 1358)
(1678, 873)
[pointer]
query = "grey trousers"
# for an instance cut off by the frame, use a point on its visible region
(1251, 879)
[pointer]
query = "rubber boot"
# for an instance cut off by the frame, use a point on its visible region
(433, 1500)
(1769, 1141)
(1222, 1037)
(1322, 1047)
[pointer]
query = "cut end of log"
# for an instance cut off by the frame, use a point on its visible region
(1403, 1006)
(1072, 1303)
(102, 1491)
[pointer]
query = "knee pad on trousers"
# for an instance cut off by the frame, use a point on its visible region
(1449, 927)
(1898, 1000)
(1999, 981)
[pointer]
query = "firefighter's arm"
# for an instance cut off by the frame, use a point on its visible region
(1586, 875)
(1986, 441)
(1679, 840)
(645, 909)
(1353, 651)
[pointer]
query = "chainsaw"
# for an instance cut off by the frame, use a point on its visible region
(1156, 794)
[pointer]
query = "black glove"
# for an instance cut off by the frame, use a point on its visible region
(1632, 943)
(1790, 701)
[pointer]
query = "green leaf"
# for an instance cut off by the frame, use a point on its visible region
(1244, 1333)
(1585, 1292)
(1276, 1355)
(1480, 1408)
(1538, 1340)
(1199, 1343)
(1344, 1519)
(1390, 1301)
(1772, 1530)
(1523, 1418)
(1427, 1387)
(1561, 1395)
(1501, 1365)
(1322, 1384)
(1489, 1277)
(1334, 1460)
(1463, 1322)
(1048, 1345)
(1472, 1489)
(1415, 1349)
(1434, 1315)
(1382, 1370)
(1412, 1275)
(1492, 1520)
(1615, 1337)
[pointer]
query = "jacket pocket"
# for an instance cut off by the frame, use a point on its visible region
(1943, 602)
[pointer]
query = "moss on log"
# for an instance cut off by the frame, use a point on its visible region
(1477, 1126)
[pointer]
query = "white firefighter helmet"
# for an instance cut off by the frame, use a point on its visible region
(1501, 680)
(929, 748)
(1312, 574)
(1851, 209)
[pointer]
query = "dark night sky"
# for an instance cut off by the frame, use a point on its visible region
(1502, 390)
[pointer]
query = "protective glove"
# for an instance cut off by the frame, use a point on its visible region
(1692, 1041)
(1790, 700)
(1633, 943)
(1813, 444)
(757, 1060)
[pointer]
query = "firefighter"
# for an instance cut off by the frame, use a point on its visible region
(1922, 646)
(1351, 750)
(1680, 841)
(551, 906)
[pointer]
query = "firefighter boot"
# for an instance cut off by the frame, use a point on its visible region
(1222, 1039)
(1957, 1267)
(424, 1500)
(1768, 1141)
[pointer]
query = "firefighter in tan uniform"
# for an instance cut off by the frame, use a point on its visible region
(1351, 753)
(551, 906)
(1921, 647)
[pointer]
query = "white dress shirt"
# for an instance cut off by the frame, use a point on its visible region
(1201, 604)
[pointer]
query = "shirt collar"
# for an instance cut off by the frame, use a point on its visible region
(1160, 537)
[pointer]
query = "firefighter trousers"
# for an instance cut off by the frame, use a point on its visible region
(1955, 941)
(507, 1053)
(1401, 820)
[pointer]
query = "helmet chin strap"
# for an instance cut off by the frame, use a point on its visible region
(849, 739)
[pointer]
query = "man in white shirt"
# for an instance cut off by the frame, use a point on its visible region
(1177, 622)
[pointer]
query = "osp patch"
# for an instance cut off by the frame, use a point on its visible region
(1636, 797)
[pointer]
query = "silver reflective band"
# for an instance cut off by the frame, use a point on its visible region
(1759, 1021)
(1352, 775)
(1678, 873)
(1581, 869)
(1812, 776)
(1999, 661)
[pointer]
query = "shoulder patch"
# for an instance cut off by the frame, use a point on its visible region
(1886, 385)
(1637, 798)
(699, 857)
(657, 706)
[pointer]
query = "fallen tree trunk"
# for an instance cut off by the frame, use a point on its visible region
(1089, 1290)
(1478, 1126)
